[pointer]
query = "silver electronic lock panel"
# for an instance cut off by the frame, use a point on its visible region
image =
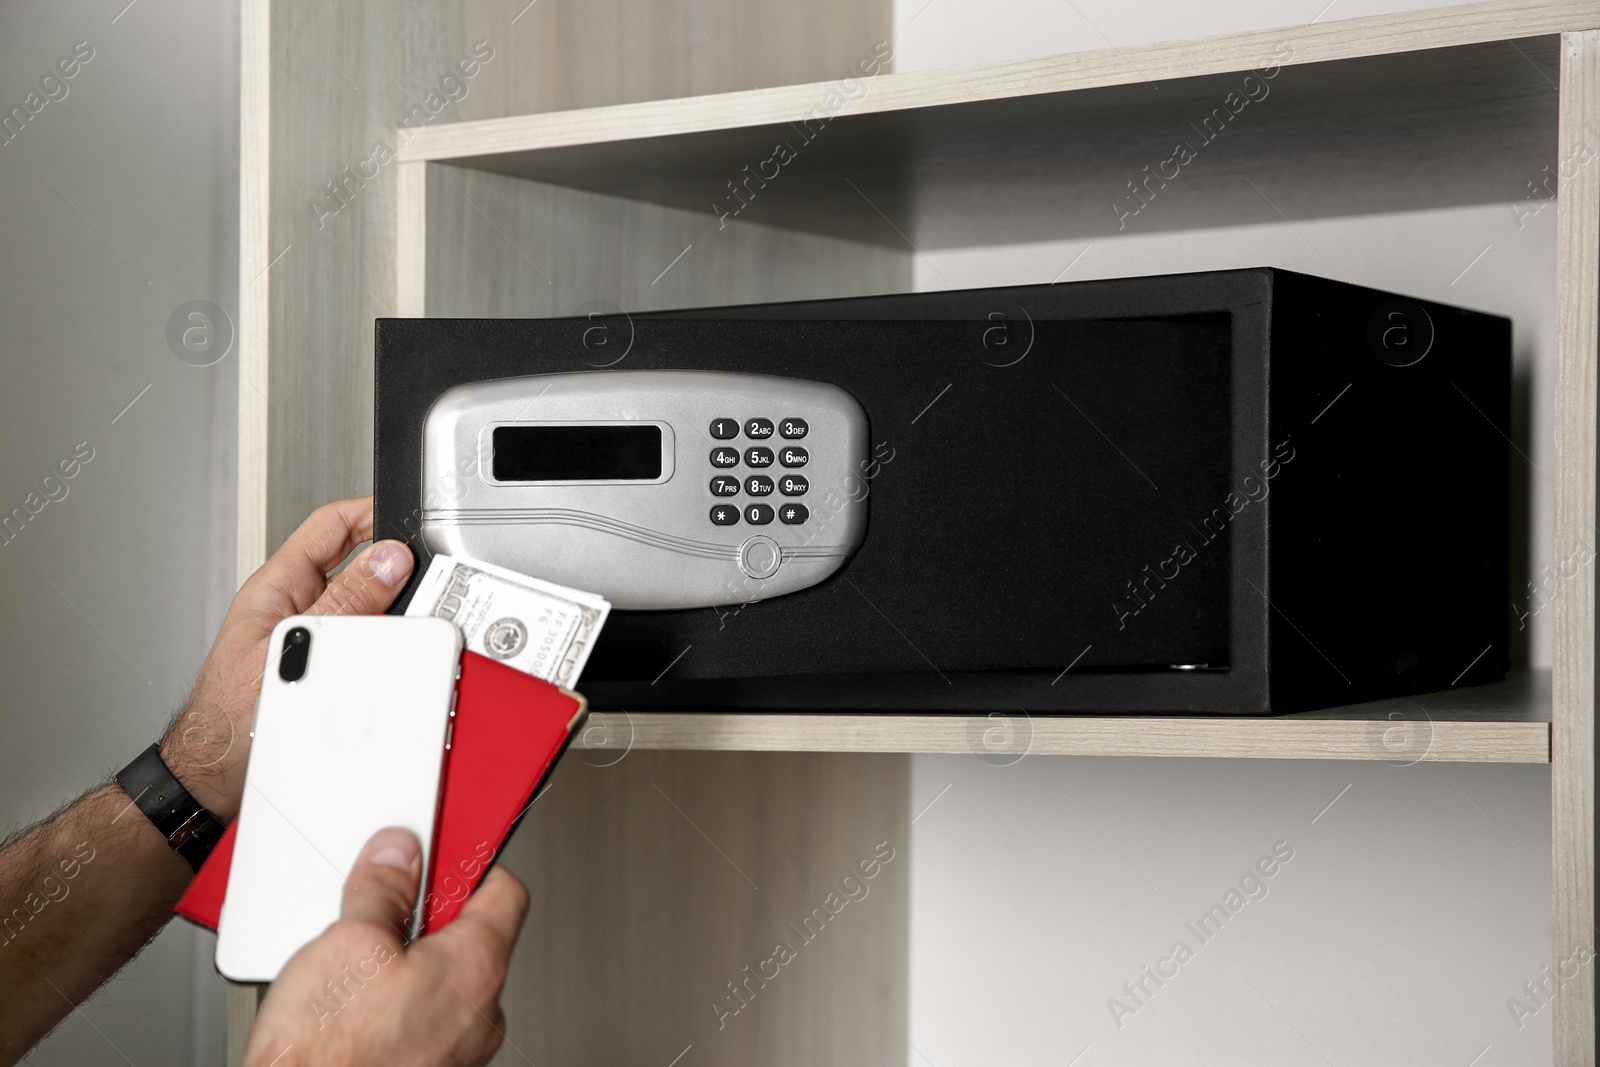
(656, 489)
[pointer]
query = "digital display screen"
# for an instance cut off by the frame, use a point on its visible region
(577, 453)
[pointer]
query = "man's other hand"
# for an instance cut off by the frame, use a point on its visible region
(357, 996)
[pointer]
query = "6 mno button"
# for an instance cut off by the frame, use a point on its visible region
(760, 556)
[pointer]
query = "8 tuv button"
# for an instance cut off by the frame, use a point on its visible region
(758, 485)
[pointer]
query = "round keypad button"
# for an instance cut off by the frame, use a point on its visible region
(722, 485)
(793, 428)
(760, 557)
(757, 514)
(758, 456)
(724, 457)
(724, 429)
(758, 485)
(793, 485)
(724, 515)
(758, 429)
(793, 456)
(793, 514)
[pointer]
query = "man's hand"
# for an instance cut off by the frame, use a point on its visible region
(356, 996)
(93, 883)
(206, 746)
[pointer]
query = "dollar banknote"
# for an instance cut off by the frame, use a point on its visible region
(538, 627)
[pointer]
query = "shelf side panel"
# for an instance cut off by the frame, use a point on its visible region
(1573, 738)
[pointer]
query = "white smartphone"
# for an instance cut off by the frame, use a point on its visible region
(350, 735)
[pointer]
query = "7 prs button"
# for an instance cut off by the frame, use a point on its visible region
(793, 456)
(722, 485)
(724, 457)
(758, 456)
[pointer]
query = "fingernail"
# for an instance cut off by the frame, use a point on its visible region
(390, 562)
(393, 847)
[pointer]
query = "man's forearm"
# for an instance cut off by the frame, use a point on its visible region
(80, 894)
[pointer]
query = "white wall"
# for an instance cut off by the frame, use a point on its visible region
(118, 202)
(1417, 906)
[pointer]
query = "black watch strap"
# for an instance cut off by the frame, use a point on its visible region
(189, 828)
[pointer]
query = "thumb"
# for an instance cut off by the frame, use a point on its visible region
(369, 584)
(382, 887)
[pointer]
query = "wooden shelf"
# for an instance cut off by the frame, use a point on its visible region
(1508, 722)
(540, 212)
(1026, 150)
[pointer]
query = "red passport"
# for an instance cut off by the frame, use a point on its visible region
(510, 728)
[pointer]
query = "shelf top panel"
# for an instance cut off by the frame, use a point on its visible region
(1507, 722)
(1069, 145)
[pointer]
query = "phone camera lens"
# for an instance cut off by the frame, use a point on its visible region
(296, 652)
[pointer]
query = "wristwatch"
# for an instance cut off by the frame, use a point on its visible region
(189, 828)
